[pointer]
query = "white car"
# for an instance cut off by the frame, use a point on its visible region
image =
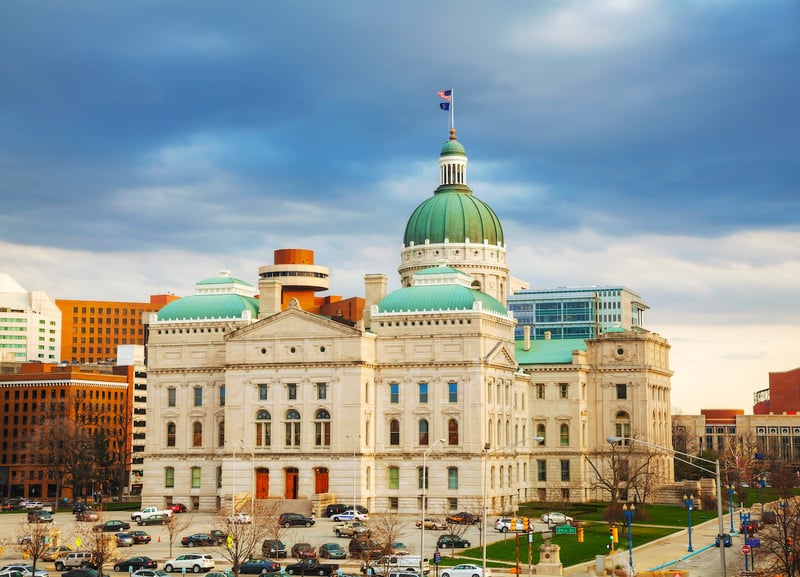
(556, 518)
(465, 570)
(194, 562)
(240, 518)
(149, 573)
(503, 524)
(26, 570)
(350, 515)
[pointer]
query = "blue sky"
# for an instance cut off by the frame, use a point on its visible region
(147, 145)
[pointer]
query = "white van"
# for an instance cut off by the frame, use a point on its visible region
(393, 563)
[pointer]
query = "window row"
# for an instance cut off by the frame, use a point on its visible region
(563, 434)
(541, 470)
(423, 432)
(423, 392)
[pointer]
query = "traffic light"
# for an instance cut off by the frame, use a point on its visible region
(526, 524)
(513, 524)
(580, 534)
(789, 541)
(615, 534)
(611, 538)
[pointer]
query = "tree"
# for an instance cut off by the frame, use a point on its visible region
(778, 540)
(386, 528)
(33, 539)
(244, 539)
(102, 547)
(176, 524)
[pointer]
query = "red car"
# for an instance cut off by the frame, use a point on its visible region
(177, 508)
(303, 551)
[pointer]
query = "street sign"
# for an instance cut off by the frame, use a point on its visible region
(566, 530)
(746, 549)
(753, 542)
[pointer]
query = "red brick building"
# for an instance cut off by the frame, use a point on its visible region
(783, 395)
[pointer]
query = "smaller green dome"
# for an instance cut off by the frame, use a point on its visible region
(454, 297)
(452, 147)
(209, 306)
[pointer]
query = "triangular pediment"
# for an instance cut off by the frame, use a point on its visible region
(502, 355)
(294, 323)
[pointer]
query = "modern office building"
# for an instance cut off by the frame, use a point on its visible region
(46, 407)
(428, 396)
(30, 324)
(92, 330)
(577, 312)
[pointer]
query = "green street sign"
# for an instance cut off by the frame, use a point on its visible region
(566, 530)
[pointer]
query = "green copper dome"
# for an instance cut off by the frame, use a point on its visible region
(209, 306)
(453, 213)
(438, 298)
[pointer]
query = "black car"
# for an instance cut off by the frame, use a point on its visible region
(294, 520)
(259, 566)
(140, 536)
(218, 536)
(135, 563)
(365, 549)
(114, 525)
(335, 509)
(83, 572)
(273, 548)
(726, 539)
(452, 542)
(199, 540)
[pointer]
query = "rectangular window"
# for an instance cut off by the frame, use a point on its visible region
(196, 477)
(394, 393)
(423, 392)
(452, 504)
(322, 391)
(222, 396)
(169, 477)
(291, 391)
(198, 396)
(322, 433)
(541, 470)
(452, 477)
(622, 391)
(452, 392)
(423, 474)
(394, 503)
(565, 470)
(262, 392)
(540, 390)
(563, 390)
(171, 395)
(394, 477)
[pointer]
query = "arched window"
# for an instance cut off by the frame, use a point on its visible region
(540, 432)
(622, 426)
(292, 427)
(394, 432)
(322, 428)
(169, 477)
(170, 434)
(452, 432)
(564, 435)
(423, 432)
(197, 434)
(263, 428)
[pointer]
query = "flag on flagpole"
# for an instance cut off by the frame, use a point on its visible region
(444, 105)
(445, 94)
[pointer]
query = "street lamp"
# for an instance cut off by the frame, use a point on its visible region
(731, 491)
(691, 460)
(424, 497)
(486, 452)
(689, 501)
(628, 511)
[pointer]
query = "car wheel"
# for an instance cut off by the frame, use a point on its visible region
(445, 574)
(321, 572)
(196, 568)
(504, 530)
(290, 571)
(338, 533)
(308, 523)
(59, 566)
(287, 525)
(168, 568)
(117, 568)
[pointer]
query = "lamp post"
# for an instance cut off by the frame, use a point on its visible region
(689, 502)
(692, 461)
(424, 498)
(731, 491)
(486, 453)
(628, 511)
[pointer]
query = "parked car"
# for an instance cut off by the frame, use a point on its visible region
(768, 518)
(332, 551)
(294, 520)
(726, 539)
(556, 518)
(463, 518)
(177, 508)
(303, 551)
(259, 566)
(365, 549)
(506, 524)
(452, 542)
(39, 516)
(154, 520)
(350, 515)
(151, 573)
(124, 540)
(191, 562)
(273, 548)
(398, 548)
(81, 572)
(53, 553)
(218, 536)
(76, 560)
(198, 540)
(334, 509)
(749, 527)
(87, 515)
(432, 524)
(26, 570)
(240, 519)
(464, 570)
(113, 526)
(135, 563)
(140, 537)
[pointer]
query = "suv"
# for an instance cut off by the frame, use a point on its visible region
(294, 520)
(191, 562)
(335, 509)
(75, 560)
(39, 516)
(273, 548)
(360, 548)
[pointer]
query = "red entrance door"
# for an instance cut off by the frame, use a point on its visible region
(291, 483)
(262, 483)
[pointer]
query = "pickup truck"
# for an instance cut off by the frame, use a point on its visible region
(149, 512)
(351, 529)
(311, 567)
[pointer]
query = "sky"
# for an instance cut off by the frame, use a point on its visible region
(147, 145)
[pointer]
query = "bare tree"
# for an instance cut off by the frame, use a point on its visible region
(243, 540)
(33, 539)
(386, 528)
(103, 548)
(175, 525)
(778, 540)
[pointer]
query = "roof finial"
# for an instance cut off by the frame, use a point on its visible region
(452, 134)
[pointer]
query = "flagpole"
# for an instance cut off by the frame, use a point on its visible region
(452, 108)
